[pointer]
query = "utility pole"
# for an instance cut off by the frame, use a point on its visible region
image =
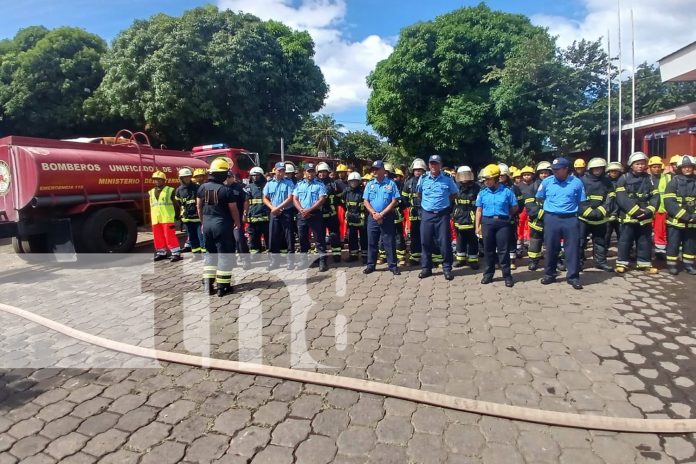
(609, 96)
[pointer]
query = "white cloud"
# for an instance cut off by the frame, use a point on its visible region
(661, 27)
(345, 63)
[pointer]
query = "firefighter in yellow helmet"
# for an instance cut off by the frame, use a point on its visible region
(199, 176)
(217, 208)
(186, 195)
(535, 214)
(495, 205)
(164, 212)
(579, 168)
(661, 179)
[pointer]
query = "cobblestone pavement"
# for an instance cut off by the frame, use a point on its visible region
(626, 346)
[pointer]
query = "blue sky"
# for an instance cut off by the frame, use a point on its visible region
(353, 35)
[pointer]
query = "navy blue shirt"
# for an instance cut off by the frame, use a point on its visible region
(381, 194)
(496, 202)
(561, 197)
(436, 191)
(278, 191)
(308, 193)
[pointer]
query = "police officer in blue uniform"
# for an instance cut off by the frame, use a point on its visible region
(437, 191)
(381, 197)
(217, 208)
(308, 197)
(495, 205)
(277, 196)
(562, 194)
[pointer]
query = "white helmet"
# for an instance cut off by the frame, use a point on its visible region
(597, 163)
(389, 167)
(354, 176)
(464, 173)
(637, 156)
(185, 172)
(418, 164)
(504, 169)
(256, 171)
(323, 167)
(289, 168)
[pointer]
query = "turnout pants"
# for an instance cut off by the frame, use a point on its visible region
(357, 240)
(523, 229)
(467, 245)
(681, 238)
(195, 236)
(165, 237)
(315, 225)
(641, 236)
(415, 251)
(512, 247)
(219, 258)
(536, 241)
(334, 239)
(256, 231)
(613, 227)
(435, 228)
(660, 232)
(559, 227)
(386, 232)
(496, 245)
(599, 244)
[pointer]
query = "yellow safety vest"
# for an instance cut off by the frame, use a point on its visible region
(162, 208)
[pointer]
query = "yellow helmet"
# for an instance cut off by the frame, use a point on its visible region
(579, 163)
(341, 168)
(527, 170)
(492, 171)
(367, 177)
(199, 172)
(220, 165)
(655, 160)
(399, 172)
(514, 172)
(159, 175)
(675, 159)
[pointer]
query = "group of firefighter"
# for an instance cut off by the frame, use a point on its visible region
(644, 204)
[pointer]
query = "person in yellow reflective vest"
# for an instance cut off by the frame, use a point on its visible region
(164, 212)
(660, 180)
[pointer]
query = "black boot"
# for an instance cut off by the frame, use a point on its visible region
(223, 289)
(208, 286)
(323, 265)
(689, 268)
(673, 270)
(459, 263)
(533, 265)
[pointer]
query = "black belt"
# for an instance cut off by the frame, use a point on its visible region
(498, 218)
(562, 216)
(435, 212)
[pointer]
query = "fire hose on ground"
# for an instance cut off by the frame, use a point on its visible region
(562, 419)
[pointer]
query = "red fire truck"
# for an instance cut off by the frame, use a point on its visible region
(241, 159)
(66, 196)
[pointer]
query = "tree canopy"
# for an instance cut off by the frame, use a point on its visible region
(211, 75)
(45, 78)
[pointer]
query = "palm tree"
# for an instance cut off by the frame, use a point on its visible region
(325, 133)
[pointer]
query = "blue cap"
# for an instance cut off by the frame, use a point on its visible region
(435, 159)
(280, 165)
(379, 164)
(309, 167)
(559, 163)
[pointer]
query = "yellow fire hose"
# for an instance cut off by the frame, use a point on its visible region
(562, 419)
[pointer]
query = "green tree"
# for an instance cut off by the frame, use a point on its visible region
(318, 133)
(45, 78)
(653, 95)
(430, 94)
(211, 75)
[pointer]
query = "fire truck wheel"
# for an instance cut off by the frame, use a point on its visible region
(30, 244)
(109, 230)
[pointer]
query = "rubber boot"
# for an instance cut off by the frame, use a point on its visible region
(689, 268)
(474, 265)
(208, 286)
(561, 265)
(513, 264)
(673, 269)
(224, 289)
(323, 265)
(459, 263)
(533, 265)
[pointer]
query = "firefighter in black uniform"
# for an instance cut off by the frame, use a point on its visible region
(217, 208)
(330, 210)
(411, 201)
(595, 212)
(680, 203)
(256, 213)
(186, 196)
(535, 213)
(464, 219)
(637, 199)
(355, 218)
(614, 171)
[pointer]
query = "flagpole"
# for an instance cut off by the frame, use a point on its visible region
(609, 96)
(620, 154)
(633, 86)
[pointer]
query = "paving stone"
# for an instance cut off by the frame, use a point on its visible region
(306, 406)
(137, 418)
(429, 419)
(425, 448)
(464, 439)
(190, 429)
(127, 403)
(330, 422)
(273, 454)
(56, 411)
(66, 445)
(232, 421)
(106, 442)
(679, 448)
(28, 446)
(356, 441)
(271, 413)
(166, 453)
(207, 448)
(502, 454)
(250, 440)
(61, 427)
(291, 432)
(647, 403)
(26, 428)
(579, 456)
(316, 450)
(79, 458)
(176, 412)
(367, 411)
(149, 436)
(120, 457)
(97, 424)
